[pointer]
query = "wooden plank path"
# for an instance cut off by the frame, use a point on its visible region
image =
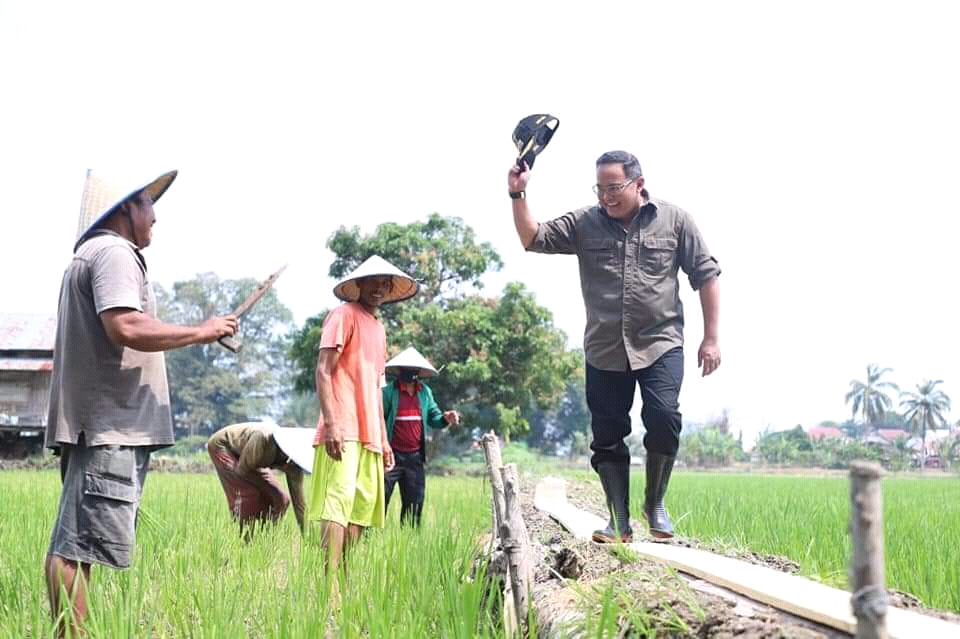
(798, 595)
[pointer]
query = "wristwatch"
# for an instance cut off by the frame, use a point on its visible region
(518, 195)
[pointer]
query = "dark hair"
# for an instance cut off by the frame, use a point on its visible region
(631, 165)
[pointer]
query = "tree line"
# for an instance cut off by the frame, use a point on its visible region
(504, 364)
(876, 404)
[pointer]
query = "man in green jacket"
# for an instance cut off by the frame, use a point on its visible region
(408, 406)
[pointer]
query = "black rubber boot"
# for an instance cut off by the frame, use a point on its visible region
(659, 468)
(615, 478)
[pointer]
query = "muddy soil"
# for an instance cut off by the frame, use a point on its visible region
(572, 573)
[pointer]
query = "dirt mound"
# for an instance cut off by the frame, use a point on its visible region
(589, 496)
(585, 581)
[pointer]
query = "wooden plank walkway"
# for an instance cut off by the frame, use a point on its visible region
(798, 595)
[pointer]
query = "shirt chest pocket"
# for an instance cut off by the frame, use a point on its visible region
(657, 254)
(602, 253)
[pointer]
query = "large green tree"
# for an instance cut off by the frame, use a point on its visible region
(870, 398)
(502, 357)
(442, 254)
(553, 430)
(210, 386)
(924, 410)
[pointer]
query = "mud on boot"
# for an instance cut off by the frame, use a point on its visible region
(615, 479)
(658, 468)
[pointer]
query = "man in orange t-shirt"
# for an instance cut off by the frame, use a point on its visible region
(347, 482)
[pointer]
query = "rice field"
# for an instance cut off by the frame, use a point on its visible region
(805, 519)
(193, 577)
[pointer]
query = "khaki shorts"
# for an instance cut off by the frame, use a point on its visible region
(349, 491)
(97, 517)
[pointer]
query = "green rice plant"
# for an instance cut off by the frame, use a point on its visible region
(612, 607)
(806, 519)
(193, 577)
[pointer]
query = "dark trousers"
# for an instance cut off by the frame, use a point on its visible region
(610, 398)
(409, 473)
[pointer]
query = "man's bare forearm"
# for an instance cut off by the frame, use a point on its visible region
(524, 222)
(710, 303)
(295, 485)
(144, 333)
(325, 395)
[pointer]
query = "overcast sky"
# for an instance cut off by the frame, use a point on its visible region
(814, 145)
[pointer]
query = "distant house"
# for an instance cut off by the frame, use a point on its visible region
(886, 436)
(934, 439)
(26, 364)
(825, 432)
(893, 434)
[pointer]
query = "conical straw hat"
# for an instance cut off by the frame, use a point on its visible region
(101, 197)
(410, 358)
(404, 286)
(297, 444)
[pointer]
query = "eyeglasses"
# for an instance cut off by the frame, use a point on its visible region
(612, 189)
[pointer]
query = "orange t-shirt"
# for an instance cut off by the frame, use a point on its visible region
(359, 337)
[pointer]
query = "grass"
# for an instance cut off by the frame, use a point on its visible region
(638, 604)
(806, 518)
(192, 576)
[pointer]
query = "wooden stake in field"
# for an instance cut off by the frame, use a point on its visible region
(513, 533)
(509, 536)
(867, 576)
(491, 451)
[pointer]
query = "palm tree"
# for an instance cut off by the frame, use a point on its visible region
(870, 397)
(924, 410)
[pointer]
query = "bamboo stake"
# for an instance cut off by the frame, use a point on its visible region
(513, 533)
(867, 578)
(491, 450)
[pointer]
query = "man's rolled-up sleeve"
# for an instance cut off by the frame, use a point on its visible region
(558, 235)
(695, 258)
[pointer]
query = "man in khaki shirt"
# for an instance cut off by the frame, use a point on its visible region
(244, 454)
(630, 248)
(109, 401)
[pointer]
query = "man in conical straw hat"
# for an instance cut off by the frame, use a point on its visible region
(353, 453)
(409, 406)
(109, 400)
(245, 454)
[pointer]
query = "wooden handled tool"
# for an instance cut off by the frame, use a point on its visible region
(231, 343)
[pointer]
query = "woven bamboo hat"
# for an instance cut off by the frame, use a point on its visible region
(101, 197)
(404, 287)
(297, 444)
(410, 358)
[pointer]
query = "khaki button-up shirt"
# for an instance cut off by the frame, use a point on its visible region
(629, 278)
(256, 450)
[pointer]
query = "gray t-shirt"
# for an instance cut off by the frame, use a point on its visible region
(110, 393)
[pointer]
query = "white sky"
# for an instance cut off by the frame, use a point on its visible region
(814, 145)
